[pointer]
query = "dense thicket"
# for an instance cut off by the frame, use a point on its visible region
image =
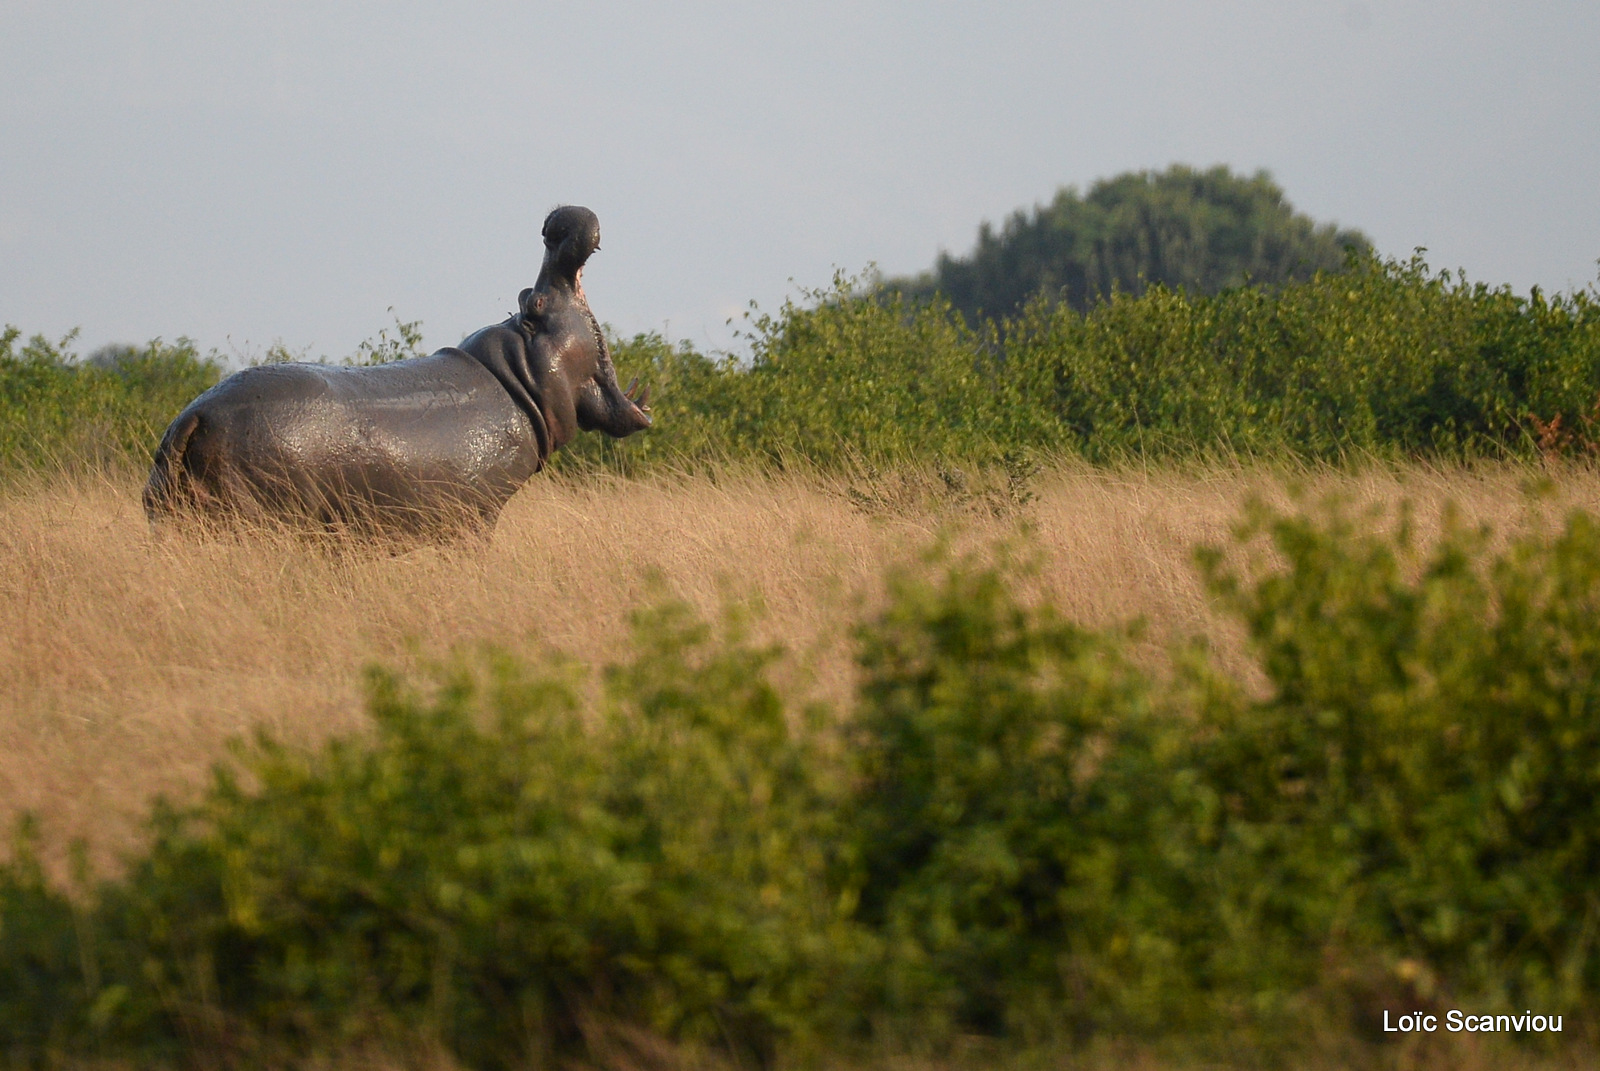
(1203, 231)
(1387, 358)
(1013, 833)
(57, 411)
(1384, 358)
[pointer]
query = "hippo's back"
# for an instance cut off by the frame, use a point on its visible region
(416, 436)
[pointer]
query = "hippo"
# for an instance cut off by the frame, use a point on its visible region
(415, 444)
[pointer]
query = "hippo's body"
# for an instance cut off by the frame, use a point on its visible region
(412, 439)
(439, 439)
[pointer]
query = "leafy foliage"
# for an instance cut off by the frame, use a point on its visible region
(110, 409)
(1014, 832)
(833, 380)
(62, 411)
(1426, 775)
(1007, 844)
(1386, 358)
(406, 343)
(489, 872)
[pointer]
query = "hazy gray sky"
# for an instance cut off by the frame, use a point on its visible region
(262, 171)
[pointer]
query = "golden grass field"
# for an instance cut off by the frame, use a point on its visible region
(128, 658)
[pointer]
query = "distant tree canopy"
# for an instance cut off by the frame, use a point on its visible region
(1201, 230)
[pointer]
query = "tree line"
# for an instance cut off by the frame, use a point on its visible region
(1202, 231)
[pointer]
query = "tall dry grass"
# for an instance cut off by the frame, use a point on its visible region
(129, 658)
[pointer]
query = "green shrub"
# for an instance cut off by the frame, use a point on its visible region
(1015, 833)
(1385, 357)
(850, 378)
(1382, 358)
(43, 988)
(832, 382)
(693, 400)
(1425, 777)
(57, 411)
(489, 872)
(1009, 816)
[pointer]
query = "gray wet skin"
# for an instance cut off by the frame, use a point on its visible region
(446, 438)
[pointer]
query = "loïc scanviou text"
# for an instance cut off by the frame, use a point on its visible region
(1457, 1021)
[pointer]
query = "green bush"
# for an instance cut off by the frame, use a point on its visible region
(490, 871)
(1009, 817)
(59, 412)
(1425, 777)
(693, 403)
(833, 382)
(1385, 357)
(849, 378)
(1382, 358)
(1014, 833)
(44, 981)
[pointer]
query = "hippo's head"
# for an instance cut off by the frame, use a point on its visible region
(571, 234)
